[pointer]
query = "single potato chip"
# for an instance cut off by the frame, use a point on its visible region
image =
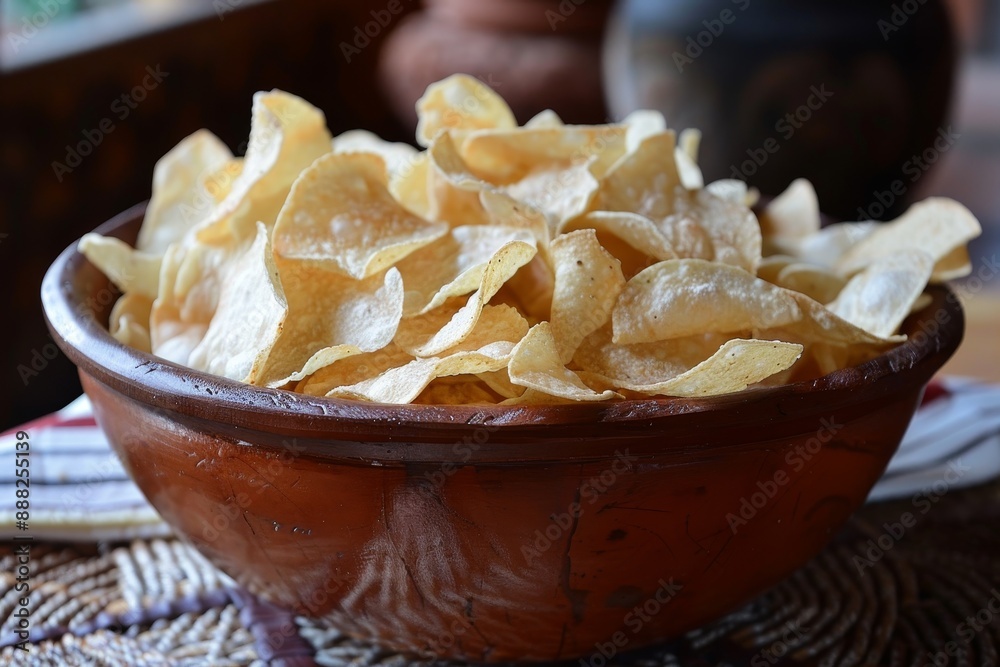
(460, 102)
(353, 369)
(180, 198)
(330, 316)
(286, 135)
(405, 383)
(588, 281)
(734, 367)
(129, 269)
(424, 338)
(339, 214)
(534, 364)
(683, 297)
(817, 282)
(880, 297)
(935, 226)
(129, 321)
(398, 157)
(794, 214)
(246, 324)
(643, 182)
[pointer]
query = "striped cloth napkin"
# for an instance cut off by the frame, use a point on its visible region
(80, 492)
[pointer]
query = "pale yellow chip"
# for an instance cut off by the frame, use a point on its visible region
(734, 367)
(405, 383)
(588, 281)
(686, 157)
(632, 239)
(286, 135)
(731, 228)
(424, 338)
(642, 364)
(129, 321)
(410, 186)
(499, 382)
(956, 264)
(794, 214)
(935, 226)
(505, 157)
(534, 364)
(562, 193)
(460, 102)
(683, 297)
(129, 269)
(453, 265)
(825, 247)
(398, 157)
(818, 282)
(218, 182)
(644, 182)
(453, 191)
(331, 316)
(880, 297)
(180, 198)
(246, 324)
(544, 119)
(340, 215)
(353, 369)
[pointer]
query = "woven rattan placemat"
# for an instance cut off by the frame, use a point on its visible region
(158, 602)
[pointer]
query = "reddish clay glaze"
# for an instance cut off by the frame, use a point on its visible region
(497, 533)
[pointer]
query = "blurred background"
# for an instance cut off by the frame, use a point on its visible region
(878, 102)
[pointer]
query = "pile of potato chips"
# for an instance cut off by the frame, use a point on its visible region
(504, 264)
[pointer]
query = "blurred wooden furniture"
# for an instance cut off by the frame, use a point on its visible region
(210, 69)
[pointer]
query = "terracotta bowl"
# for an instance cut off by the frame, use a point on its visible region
(496, 533)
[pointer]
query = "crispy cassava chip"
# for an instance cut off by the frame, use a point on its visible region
(683, 297)
(339, 214)
(460, 102)
(519, 266)
(588, 281)
(880, 297)
(535, 364)
(935, 226)
(248, 320)
(129, 269)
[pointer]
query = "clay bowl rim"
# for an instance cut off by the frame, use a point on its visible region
(594, 429)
